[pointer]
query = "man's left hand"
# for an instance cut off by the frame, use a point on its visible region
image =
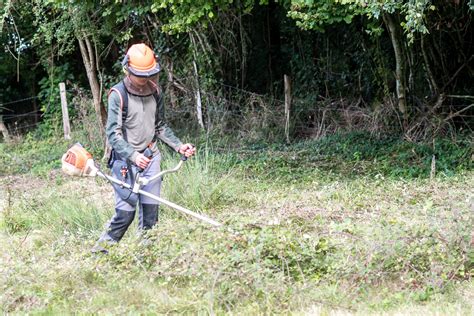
(187, 149)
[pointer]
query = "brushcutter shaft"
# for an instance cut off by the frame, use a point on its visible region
(112, 179)
(163, 201)
(181, 209)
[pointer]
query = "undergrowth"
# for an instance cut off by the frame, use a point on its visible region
(358, 154)
(35, 156)
(348, 223)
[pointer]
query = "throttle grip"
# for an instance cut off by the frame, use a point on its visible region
(147, 153)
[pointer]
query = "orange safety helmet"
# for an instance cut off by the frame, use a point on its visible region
(140, 60)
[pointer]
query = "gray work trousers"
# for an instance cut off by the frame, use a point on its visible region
(147, 207)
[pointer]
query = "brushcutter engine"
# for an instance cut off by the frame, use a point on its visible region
(78, 162)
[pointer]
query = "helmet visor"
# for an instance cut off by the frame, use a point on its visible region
(144, 73)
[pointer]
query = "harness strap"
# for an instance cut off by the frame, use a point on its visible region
(123, 94)
(121, 90)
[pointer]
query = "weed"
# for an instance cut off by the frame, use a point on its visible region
(37, 156)
(356, 154)
(335, 225)
(203, 184)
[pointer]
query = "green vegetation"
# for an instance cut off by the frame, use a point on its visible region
(405, 59)
(348, 223)
(359, 154)
(31, 155)
(367, 209)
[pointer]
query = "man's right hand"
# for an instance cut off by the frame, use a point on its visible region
(142, 161)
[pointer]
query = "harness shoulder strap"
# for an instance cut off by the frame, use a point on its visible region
(156, 95)
(123, 94)
(157, 92)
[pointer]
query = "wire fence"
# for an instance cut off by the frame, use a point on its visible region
(27, 114)
(2, 105)
(235, 111)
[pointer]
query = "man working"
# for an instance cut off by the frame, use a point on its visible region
(135, 121)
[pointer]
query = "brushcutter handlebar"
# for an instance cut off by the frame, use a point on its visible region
(145, 181)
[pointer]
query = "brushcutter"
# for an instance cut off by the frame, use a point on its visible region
(77, 161)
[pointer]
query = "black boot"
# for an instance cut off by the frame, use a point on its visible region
(119, 224)
(147, 216)
(116, 229)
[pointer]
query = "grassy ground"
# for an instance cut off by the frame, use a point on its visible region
(344, 225)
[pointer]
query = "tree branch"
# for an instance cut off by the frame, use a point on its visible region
(6, 7)
(460, 96)
(458, 112)
(457, 72)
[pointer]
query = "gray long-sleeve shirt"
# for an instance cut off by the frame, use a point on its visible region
(145, 119)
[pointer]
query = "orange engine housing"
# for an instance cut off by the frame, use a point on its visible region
(77, 156)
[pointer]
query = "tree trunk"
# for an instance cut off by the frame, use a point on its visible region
(287, 82)
(400, 71)
(90, 63)
(197, 93)
(198, 97)
(431, 79)
(274, 44)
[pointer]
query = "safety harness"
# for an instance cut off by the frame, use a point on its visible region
(123, 94)
(125, 171)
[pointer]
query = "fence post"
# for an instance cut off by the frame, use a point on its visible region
(4, 130)
(67, 128)
(287, 81)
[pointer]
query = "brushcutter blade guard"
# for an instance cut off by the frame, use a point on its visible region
(78, 162)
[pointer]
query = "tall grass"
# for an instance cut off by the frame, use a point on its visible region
(74, 205)
(297, 239)
(207, 181)
(55, 210)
